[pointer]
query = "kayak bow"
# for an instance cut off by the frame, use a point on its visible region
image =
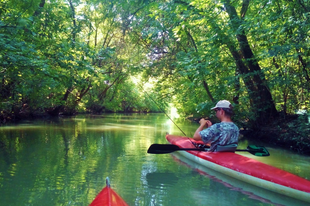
(108, 197)
(247, 170)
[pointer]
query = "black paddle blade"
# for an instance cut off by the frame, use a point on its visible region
(162, 148)
(258, 150)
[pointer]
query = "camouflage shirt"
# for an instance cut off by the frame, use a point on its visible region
(223, 133)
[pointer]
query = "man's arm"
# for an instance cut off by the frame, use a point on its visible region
(203, 123)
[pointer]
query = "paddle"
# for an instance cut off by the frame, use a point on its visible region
(168, 148)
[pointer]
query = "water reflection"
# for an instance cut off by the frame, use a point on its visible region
(65, 161)
(282, 159)
(161, 179)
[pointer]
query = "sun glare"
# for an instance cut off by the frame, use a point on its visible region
(174, 112)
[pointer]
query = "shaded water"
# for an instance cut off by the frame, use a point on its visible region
(66, 161)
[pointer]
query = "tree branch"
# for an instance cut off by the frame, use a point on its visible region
(245, 5)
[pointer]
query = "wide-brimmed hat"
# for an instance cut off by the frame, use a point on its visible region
(222, 104)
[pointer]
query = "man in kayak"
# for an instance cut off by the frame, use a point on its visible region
(220, 135)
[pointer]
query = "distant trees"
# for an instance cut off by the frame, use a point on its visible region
(56, 57)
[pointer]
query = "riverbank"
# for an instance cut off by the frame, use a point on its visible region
(6, 117)
(291, 132)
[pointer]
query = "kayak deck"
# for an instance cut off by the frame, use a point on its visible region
(108, 197)
(247, 169)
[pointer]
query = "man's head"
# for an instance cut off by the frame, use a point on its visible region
(225, 106)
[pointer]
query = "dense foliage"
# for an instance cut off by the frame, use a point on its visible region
(80, 55)
(66, 56)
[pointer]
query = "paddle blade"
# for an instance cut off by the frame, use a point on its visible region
(258, 150)
(162, 148)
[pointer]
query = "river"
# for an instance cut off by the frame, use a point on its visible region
(65, 161)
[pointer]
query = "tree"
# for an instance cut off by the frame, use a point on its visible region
(211, 46)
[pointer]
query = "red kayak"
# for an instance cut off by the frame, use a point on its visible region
(108, 197)
(246, 169)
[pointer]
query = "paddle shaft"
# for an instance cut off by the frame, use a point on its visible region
(206, 149)
(168, 148)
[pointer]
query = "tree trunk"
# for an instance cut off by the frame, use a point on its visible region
(102, 95)
(56, 110)
(205, 85)
(73, 21)
(38, 11)
(263, 103)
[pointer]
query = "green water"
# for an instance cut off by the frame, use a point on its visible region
(65, 162)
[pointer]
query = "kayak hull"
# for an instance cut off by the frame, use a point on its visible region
(247, 170)
(108, 197)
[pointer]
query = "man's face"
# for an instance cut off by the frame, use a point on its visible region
(218, 112)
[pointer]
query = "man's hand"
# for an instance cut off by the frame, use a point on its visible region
(204, 122)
